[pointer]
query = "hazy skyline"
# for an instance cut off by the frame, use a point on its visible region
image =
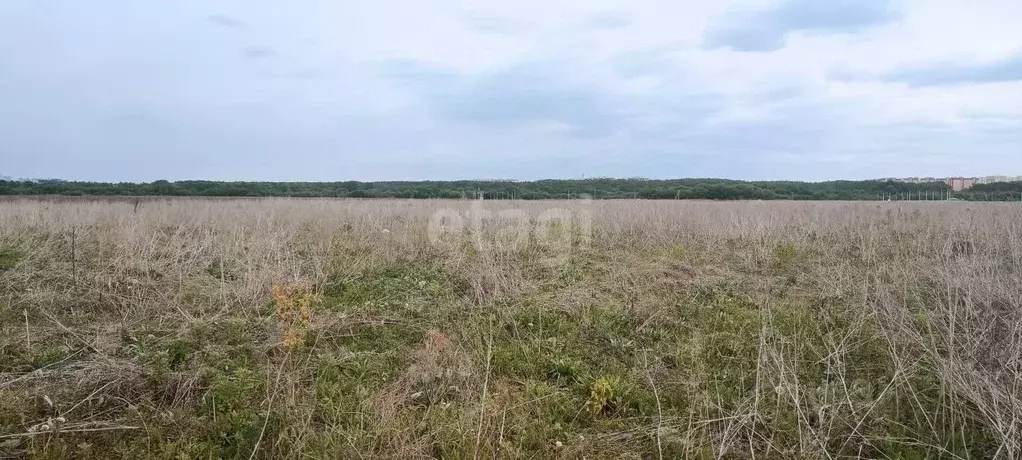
(327, 90)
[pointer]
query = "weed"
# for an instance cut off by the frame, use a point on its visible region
(9, 258)
(606, 395)
(674, 329)
(221, 271)
(294, 312)
(786, 255)
(679, 251)
(566, 371)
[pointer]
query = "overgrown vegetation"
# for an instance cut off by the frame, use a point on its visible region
(301, 329)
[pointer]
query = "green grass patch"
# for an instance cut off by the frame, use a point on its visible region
(409, 290)
(9, 258)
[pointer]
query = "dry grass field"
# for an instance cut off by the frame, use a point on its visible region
(326, 329)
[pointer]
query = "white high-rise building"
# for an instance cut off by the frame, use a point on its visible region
(995, 179)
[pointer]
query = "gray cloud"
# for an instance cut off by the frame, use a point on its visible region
(644, 61)
(416, 75)
(662, 131)
(609, 20)
(536, 92)
(494, 25)
(226, 21)
(1005, 70)
(766, 30)
(257, 52)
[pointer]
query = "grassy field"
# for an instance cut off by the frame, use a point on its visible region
(325, 329)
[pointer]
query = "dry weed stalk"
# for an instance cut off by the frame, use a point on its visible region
(861, 328)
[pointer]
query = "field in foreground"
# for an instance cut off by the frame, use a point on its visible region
(559, 329)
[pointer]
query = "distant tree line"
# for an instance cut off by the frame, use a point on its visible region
(597, 188)
(997, 191)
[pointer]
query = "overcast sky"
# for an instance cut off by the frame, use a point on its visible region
(126, 90)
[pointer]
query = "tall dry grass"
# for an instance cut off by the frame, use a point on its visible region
(870, 330)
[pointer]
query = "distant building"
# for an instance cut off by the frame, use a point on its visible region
(996, 179)
(915, 180)
(956, 183)
(961, 183)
